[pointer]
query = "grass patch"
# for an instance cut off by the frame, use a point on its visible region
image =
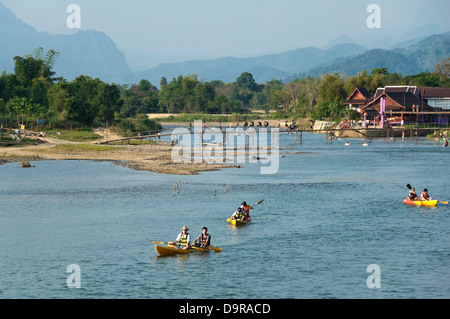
(132, 142)
(82, 148)
(75, 136)
(8, 142)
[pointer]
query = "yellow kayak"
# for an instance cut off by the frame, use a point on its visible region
(207, 249)
(420, 202)
(239, 222)
(172, 250)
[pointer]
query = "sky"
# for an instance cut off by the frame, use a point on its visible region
(189, 29)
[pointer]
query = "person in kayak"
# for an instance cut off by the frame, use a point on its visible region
(425, 195)
(412, 194)
(183, 240)
(246, 208)
(238, 214)
(203, 240)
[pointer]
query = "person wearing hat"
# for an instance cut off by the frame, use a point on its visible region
(204, 239)
(183, 239)
(246, 208)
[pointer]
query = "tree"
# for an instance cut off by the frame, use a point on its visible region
(2, 109)
(107, 101)
(331, 110)
(246, 82)
(311, 91)
(279, 98)
(163, 82)
(24, 107)
(82, 107)
(38, 92)
(145, 85)
(40, 66)
(331, 89)
(244, 88)
(57, 95)
(380, 71)
(442, 69)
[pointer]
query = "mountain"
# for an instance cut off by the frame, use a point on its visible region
(263, 68)
(88, 52)
(421, 56)
(94, 53)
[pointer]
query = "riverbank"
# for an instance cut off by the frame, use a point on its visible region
(147, 157)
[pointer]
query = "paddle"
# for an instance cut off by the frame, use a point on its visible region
(159, 243)
(262, 200)
(439, 201)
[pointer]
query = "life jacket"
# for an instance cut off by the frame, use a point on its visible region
(183, 240)
(247, 210)
(239, 215)
(204, 240)
(412, 195)
(425, 196)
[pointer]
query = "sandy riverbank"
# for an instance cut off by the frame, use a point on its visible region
(149, 157)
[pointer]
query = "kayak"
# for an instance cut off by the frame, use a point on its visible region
(420, 202)
(172, 250)
(239, 222)
(207, 249)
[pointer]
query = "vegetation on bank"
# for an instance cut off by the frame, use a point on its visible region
(34, 97)
(79, 135)
(67, 148)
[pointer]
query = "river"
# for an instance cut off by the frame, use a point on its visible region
(328, 213)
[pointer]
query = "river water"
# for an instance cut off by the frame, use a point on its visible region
(329, 213)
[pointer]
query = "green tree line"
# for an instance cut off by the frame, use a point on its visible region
(32, 95)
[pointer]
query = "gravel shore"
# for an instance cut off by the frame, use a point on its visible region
(148, 157)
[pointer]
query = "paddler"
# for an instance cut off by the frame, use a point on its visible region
(183, 239)
(238, 214)
(425, 195)
(204, 239)
(246, 208)
(412, 194)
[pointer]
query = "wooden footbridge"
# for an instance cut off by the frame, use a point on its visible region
(297, 133)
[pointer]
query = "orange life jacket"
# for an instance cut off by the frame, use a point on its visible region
(247, 210)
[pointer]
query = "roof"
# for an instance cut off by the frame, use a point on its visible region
(433, 92)
(360, 95)
(364, 91)
(399, 101)
(400, 88)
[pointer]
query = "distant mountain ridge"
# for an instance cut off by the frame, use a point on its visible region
(88, 52)
(95, 54)
(420, 56)
(409, 57)
(263, 68)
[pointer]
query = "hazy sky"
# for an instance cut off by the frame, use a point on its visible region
(214, 28)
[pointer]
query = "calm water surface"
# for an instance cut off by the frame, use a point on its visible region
(327, 214)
